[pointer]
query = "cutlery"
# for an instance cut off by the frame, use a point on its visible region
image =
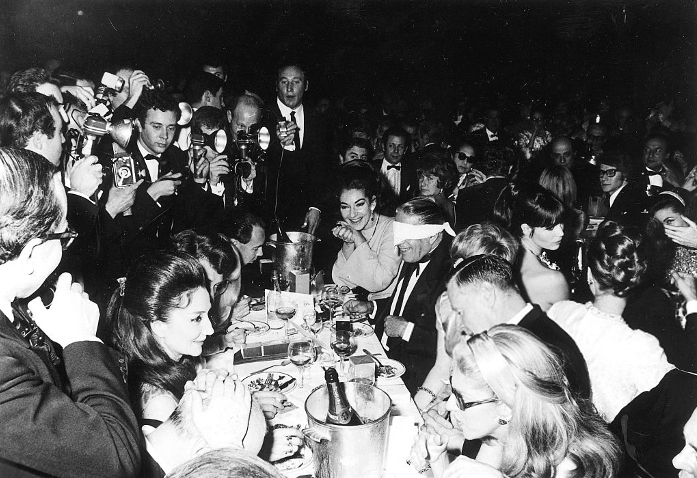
(282, 364)
(386, 371)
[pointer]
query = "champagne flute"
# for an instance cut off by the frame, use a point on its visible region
(302, 354)
(344, 344)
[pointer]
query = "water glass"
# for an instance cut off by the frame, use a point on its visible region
(343, 342)
(302, 354)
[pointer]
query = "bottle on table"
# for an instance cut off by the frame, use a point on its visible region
(339, 411)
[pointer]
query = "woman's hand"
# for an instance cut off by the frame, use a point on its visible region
(685, 236)
(344, 232)
(427, 449)
(281, 443)
(270, 402)
(686, 284)
(434, 424)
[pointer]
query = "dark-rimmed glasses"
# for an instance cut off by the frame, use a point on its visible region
(462, 404)
(610, 173)
(221, 287)
(66, 237)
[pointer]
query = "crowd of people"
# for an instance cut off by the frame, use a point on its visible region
(533, 266)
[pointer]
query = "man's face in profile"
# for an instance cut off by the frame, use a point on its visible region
(291, 86)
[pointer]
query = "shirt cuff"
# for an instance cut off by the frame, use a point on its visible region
(691, 307)
(375, 310)
(408, 330)
(316, 208)
(218, 189)
(77, 193)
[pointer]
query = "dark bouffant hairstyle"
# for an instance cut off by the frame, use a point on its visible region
(617, 258)
(438, 164)
(529, 204)
(155, 285)
(362, 179)
(22, 115)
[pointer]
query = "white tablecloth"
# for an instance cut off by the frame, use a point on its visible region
(405, 417)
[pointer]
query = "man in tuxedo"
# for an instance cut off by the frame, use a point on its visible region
(398, 179)
(170, 199)
(491, 132)
(483, 293)
(659, 172)
(406, 322)
(67, 413)
(562, 153)
(624, 197)
(299, 162)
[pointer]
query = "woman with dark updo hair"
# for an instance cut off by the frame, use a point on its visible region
(622, 362)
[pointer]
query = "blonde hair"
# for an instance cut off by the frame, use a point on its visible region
(548, 424)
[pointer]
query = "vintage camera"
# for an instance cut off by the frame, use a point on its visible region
(112, 81)
(258, 136)
(124, 168)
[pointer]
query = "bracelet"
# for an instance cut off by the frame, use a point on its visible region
(429, 391)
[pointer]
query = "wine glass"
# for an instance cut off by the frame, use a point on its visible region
(331, 298)
(344, 344)
(313, 322)
(285, 310)
(302, 354)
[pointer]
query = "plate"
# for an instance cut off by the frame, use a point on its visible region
(301, 459)
(360, 330)
(256, 382)
(398, 366)
(253, 327)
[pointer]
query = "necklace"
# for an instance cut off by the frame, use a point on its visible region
(372, 229)
(542, 257)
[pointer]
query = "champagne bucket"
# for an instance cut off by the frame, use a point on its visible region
(295, 256)
(341, 451)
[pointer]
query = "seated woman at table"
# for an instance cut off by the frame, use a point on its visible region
(159, 320)
(368, 257)
(619, 373)
(509, 389)
(536, 218)
(437, 178)
(484, 238)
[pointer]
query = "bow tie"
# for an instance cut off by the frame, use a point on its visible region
(651, 172)
(394, 166)
(152, 156)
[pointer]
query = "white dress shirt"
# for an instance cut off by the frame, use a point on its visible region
(393, 175)
(299, 120)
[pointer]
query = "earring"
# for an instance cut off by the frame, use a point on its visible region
(502, 421)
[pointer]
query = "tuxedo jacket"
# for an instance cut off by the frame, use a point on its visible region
(630, 203)
(301, 178)
(419, 354)
(537, 322)
(83, 428)
(409, 186)
(153, 223)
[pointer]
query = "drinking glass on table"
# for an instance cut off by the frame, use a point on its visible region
(331, 299)
(285, 310)
(344, 344)
(302, 354)
(313, 322)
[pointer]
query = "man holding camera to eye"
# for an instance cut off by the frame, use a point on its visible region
(298, 162)
(123, 102)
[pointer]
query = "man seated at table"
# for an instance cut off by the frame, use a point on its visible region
(406, 322)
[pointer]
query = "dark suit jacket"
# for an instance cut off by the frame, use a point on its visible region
(476, 204)
(537, 322)
(408, 182)
(302, 176)
(48, 430)
(152, 223)
(629, 203)
(650, 427)
(419, 354)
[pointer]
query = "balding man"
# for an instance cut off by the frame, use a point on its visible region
(563, 153)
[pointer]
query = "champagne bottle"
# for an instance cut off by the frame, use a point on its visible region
(281, 235)
(339, 411)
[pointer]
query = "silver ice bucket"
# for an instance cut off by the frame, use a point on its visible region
(292, 256)
(349, 451)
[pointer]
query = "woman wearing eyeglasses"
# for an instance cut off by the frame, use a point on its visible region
(510, 391)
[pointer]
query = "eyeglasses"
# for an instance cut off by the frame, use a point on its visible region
(610, 173)
(463, 405)
(221, 287)
(464, 157)
(66, 237)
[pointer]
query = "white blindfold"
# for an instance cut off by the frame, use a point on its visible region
(403, 231)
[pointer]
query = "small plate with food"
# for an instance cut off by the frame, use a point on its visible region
(253, 328)
(270, 382)
(390, 369)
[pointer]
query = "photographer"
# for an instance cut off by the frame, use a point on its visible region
(169, 200)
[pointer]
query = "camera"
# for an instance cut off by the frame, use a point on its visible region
(124, 170)
(112, 81)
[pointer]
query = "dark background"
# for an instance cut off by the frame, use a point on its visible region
(639, 51)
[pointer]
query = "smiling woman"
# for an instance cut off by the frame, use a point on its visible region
(159, 320)
(367, 257)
